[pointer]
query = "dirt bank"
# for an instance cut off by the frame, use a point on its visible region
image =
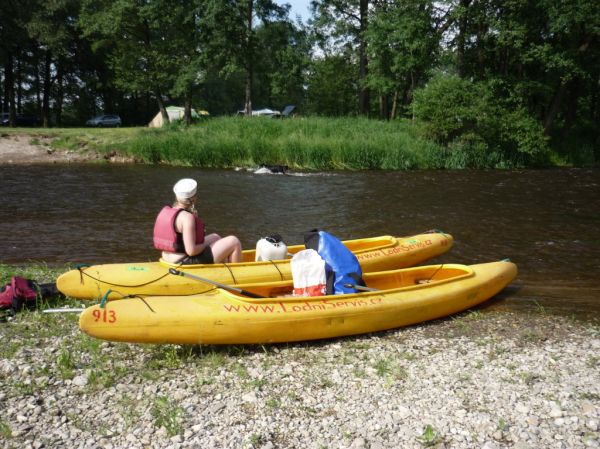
(24, 149)
(15, 149)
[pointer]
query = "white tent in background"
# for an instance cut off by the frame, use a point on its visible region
(175, 113)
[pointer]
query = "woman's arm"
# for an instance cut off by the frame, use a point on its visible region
(188, 229)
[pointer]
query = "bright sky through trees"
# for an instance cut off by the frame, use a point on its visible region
(299, 7)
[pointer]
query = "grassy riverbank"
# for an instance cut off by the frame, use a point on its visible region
(302, 143)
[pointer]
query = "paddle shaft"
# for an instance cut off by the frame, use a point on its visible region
(71, 310)
(360, 288)
(215, 283)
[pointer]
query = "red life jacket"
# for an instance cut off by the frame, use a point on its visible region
(166, 237)
(17, 293)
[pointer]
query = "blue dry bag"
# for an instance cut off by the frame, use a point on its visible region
(342, 266)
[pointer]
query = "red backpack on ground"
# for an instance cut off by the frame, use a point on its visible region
(18, 293)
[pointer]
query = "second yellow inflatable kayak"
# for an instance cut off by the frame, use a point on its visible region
(152, 278)
(401, 297)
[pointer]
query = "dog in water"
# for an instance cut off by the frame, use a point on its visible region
(273, 169)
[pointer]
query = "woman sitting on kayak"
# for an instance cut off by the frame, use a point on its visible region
(179, 232)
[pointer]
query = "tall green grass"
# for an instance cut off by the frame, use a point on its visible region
(301, 143)
(308, 143)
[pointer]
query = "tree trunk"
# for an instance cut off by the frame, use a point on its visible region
(46, 96)
(9, 90)
(394, 105)
(149, 112)
(1, 90)
(461, 37)
(249, 60)
(19, 88)
(59, 91)
(571, 107)
(405, 99)
(363, 95)
(187, 114)
(383, 107)
(161, 107)
(554, 107)
(38, 91)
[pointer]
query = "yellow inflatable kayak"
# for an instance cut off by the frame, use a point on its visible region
(403, 297)
(152, 278)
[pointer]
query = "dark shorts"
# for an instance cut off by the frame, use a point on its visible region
(205, 257)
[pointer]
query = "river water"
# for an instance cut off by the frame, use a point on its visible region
(546, 221)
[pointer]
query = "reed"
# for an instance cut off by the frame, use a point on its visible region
(302, 143)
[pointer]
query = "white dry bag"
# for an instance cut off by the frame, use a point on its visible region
(308, 272)
(270, 248)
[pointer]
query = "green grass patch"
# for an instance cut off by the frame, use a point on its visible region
(65, 364)
(5, 430)
(430, 437)
(167, 414)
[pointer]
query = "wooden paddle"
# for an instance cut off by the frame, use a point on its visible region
(215, 283)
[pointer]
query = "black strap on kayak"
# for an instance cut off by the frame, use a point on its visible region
(145, 302)
(170, 295)
(425, 281)
(230, 272)
(122, 285)
(79, 267)
(83, 273)
(278, 270)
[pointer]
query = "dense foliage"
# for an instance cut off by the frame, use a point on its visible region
(495, 83)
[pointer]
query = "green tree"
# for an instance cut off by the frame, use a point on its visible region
(231, 36)
(541, 55)
(183, 26)
(469, 119)
(139, 36)
(332, 86)
(344, 24)
(403, 42)
(52, 26)
(282, 64)
(14, 40)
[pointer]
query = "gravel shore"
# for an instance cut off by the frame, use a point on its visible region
(477, 380)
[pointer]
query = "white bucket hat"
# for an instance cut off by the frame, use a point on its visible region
(185, 188)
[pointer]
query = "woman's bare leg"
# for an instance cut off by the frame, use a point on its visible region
(227, 249)
(211, 238)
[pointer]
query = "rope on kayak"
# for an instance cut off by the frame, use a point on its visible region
(83, 273)
(155, 295)
(436, 272)
(428, 280)
(277, 268)
(104, 299)
(230, 272)
(103, 302)
(79, 266)
(144, 301)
